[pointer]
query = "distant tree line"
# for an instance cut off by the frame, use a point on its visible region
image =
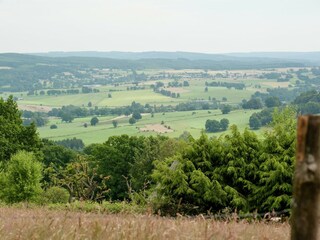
(239, 86)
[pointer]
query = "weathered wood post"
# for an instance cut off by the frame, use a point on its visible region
(304, 221)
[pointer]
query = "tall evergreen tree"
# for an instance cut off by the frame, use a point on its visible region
(277, 167)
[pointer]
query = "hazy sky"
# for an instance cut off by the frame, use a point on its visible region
(211, 26)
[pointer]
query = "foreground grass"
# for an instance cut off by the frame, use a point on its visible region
(40, 223)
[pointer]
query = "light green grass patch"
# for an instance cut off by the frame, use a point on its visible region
(191, 121)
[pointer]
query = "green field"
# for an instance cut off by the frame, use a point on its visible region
(193, 122)
(120, 98)
(123, 97)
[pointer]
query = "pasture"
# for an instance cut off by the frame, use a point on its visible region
(48, 224)
(101, 99)
(126, 97)
(175, 122)
(191, 121)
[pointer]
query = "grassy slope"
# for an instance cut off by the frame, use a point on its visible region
(123, 98)
(178, 121)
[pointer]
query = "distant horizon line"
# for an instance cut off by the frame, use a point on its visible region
(154, 51)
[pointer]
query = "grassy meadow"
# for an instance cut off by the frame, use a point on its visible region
(52, 224)
(191, 121)
(124, 97)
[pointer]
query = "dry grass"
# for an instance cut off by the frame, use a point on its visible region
(47, 224)
(156, 128)
(35, 108)
(277, 84)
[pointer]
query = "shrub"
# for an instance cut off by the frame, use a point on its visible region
(20, 180)
(53, 126)
(132, 120)
(56, 195)
(94, 121)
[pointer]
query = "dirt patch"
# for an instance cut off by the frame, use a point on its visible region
(177, 90)
(159, 128)
(277, 84)
(5, 68)
(120, 117)
(34, 108)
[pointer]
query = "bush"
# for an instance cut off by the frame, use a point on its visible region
(53, 126)
(94, 121)
(226, 109)
(56, 195)
(20, 180)
(132, 120)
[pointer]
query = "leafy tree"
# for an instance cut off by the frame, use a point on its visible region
(89, 104)
(94, 121)
(81, 179)
(132, 120)
(152, 148)
(72, 143)
(224, 124)
(114, 158)
(225, 109)
(56, 195)
(254, 122)
(212, 126)
(13, 135)
(115, 123)
(309, 96)
(57, 155)
(20, 180)
(272, 102)
(136, 115)
(253, 103)
(67, 117)
(309, 108)
(260, 119)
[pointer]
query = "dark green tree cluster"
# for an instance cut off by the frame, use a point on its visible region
(261, 119)
(308, 102)
(216, 126)
(239, 86)
(73, 143)
(237, 171)
(253, 103)
(129, 161)
(225, 108)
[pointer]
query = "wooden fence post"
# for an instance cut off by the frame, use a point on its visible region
(304, 220)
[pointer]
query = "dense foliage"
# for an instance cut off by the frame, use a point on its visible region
(185, 175)
(13, 135)
(20, 178)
